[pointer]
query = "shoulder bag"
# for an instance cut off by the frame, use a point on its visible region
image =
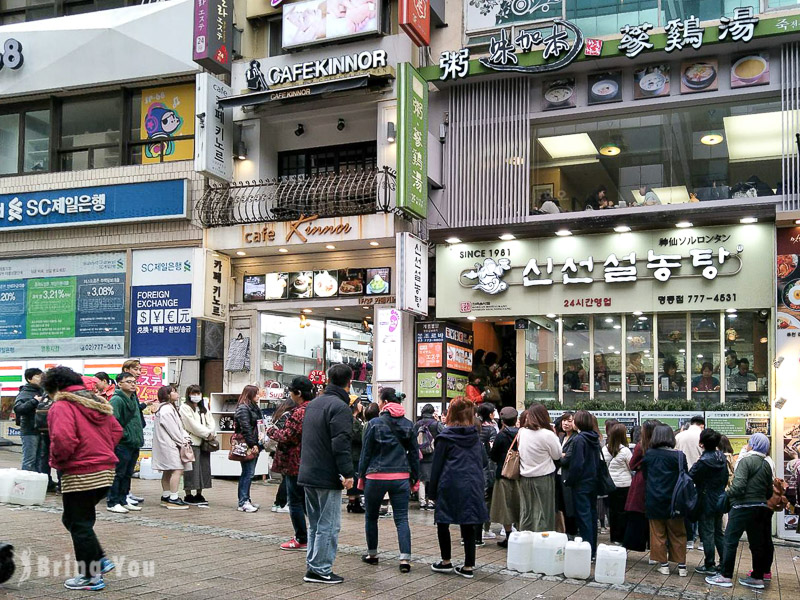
(240, 451)
(511, 465)
(778, 501)
(605, 485)
(187, 454)
(684, 495)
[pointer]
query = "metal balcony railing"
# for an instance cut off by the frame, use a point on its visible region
(358, 192)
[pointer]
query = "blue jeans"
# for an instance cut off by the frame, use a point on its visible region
(248, 470)
(297, 507)
(324, 508)
(585, 503)
(399, 493)
(30, 452)
(713, 537)
(119, 490)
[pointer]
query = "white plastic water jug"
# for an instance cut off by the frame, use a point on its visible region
(6, 483)
(578, 559)
(610, 564)
(28, 488)
(548, 552)
(146, 469)
(520, 551)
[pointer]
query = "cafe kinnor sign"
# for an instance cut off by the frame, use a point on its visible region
(687, 270)
(306, 229)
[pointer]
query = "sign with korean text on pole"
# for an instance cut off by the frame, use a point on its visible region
(213, 144)
(415, 20)
(210, 285)
(161, 303)
(702, 268)
(388, 345)
(213, 34)
(412, 142)
(412, 269)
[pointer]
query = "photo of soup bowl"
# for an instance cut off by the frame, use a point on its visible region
(605, 89)
(653, 83)
(749, 69)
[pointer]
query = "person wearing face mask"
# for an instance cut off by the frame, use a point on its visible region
(200, 425)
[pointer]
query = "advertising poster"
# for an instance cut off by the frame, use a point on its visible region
(167, 112)
(558, 93)
(628, 418)
(62, 306)
(605, 87)
(699, 76)
(429, 355)
(791, 469)
(459, 358)
(161, 303)
(456, 385)
(651, 82)
(429, 385)
(676, 420)
(430, 332)
(151, 378)
(389, 345)
(739, 423)
(788, 273)
(750, 70)
(315, 21)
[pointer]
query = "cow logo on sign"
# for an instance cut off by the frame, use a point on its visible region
(489, 275)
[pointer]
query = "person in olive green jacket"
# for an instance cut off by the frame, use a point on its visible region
(126, 411)
(747, 497)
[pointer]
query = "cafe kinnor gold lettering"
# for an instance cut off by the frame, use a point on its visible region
(303, 228)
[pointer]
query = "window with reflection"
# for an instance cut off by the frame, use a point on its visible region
(608, 372)
(639, 357)
(541, 360)
(606, 17)
(705, 359)
(672, 338)
(746, 357)
(90, 133)
(575, 357)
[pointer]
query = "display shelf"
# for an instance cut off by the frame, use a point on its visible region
(220, 465)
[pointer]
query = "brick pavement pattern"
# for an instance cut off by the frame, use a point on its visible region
(220, 553)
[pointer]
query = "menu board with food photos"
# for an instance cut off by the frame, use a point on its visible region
(322, 283)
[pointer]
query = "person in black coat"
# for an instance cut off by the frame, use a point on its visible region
(710, 476)
(582, 460)
(457, 485)
(505, 501)
(246, 423)
(427, 420)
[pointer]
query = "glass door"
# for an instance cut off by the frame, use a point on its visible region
(347, 342)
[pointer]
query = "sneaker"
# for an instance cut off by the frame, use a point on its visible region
(176, 504)
(129, 500)
(767, 576)
(752, 583)
(431, 505)
(489, 535)
(441, 568)
(117, 508)
(468, 574)
(652, 562)
(137, 499)
(664, 569)
(190, 499)
(200, 500)
(312, 577)
(704, 570)
(89, 584)
(274, 508)
(719, 581)
(683, 571)
(247, 507)
(480, 544)
(254, 504)
(690, 545)
(293, 544)
(283, 509)
(132, 507)
(106, 566)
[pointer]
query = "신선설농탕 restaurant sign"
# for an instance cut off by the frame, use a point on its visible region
(678, 270)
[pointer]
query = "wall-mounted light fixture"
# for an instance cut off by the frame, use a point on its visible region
(391, 132)
(241, 150)
(340, 125)
(300, 130)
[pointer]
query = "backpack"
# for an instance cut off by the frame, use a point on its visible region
(778, 500)
(40, 422)
(684, 495)
(425, 440)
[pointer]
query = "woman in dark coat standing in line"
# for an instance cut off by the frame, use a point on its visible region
(637, 529)
(566, 434)
(457, 485)
(583, 464)
(246, 420)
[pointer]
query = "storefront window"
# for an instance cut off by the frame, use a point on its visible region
(746, 357)
(348, 343)
(660, 157)
(9, 142)
(639, 357)
(706, 10)
(575, 355)
(608, 357)
(541, 361)
(672, 338)
(37, 141)
(606, 17)
(705, 357)
(90, 133)
(287, 350)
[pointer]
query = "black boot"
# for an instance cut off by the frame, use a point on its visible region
(354, 506)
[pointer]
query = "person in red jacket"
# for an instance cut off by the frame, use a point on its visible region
(475, 388)
(83, 435)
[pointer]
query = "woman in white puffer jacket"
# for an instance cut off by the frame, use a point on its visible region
(618, 458)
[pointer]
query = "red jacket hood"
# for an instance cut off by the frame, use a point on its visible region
(395, 410)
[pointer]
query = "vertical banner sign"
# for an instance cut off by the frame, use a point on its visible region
(167, 112)
(389, 345)
(213, 34)
(412, 266)
(212, 275)
(415, 20)
(412, 142)
(213, 147)
(62, 306)
(161, 303)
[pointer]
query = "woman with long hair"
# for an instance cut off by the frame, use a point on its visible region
(565, 430)
(637, 529)
(356, 444)
(168, 437)
(618, 458)
(245, 421)
(538, 449)
(200, 425)
(457, 485)
(279, 418)
(583, 462)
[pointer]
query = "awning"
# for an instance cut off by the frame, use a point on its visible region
(304, 91)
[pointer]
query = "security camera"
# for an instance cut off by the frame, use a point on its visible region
(300, 130)
(340, 125)
(777, 362)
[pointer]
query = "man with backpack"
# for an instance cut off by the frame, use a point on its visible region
(25, 405)
(426, 429)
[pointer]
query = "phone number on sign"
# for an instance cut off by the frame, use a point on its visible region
(93, 347)
(696, 298)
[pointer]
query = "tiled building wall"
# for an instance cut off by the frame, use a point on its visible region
(33, 242)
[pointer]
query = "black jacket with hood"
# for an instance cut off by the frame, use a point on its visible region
(25, 407)
(710, 476)
(583, 461)
(326, 447)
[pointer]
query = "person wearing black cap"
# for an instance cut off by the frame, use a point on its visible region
(505, 503)
(426, 429)
(287, 459)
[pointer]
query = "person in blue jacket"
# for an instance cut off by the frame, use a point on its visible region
(457, 485)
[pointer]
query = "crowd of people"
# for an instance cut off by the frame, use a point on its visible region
(571, 476)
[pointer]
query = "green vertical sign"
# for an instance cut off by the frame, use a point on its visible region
(412, 142)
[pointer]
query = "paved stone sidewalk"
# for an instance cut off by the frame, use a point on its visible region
(221, 553)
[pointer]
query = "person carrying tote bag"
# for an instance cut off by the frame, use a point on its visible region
(505, 502)
(244, 444)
